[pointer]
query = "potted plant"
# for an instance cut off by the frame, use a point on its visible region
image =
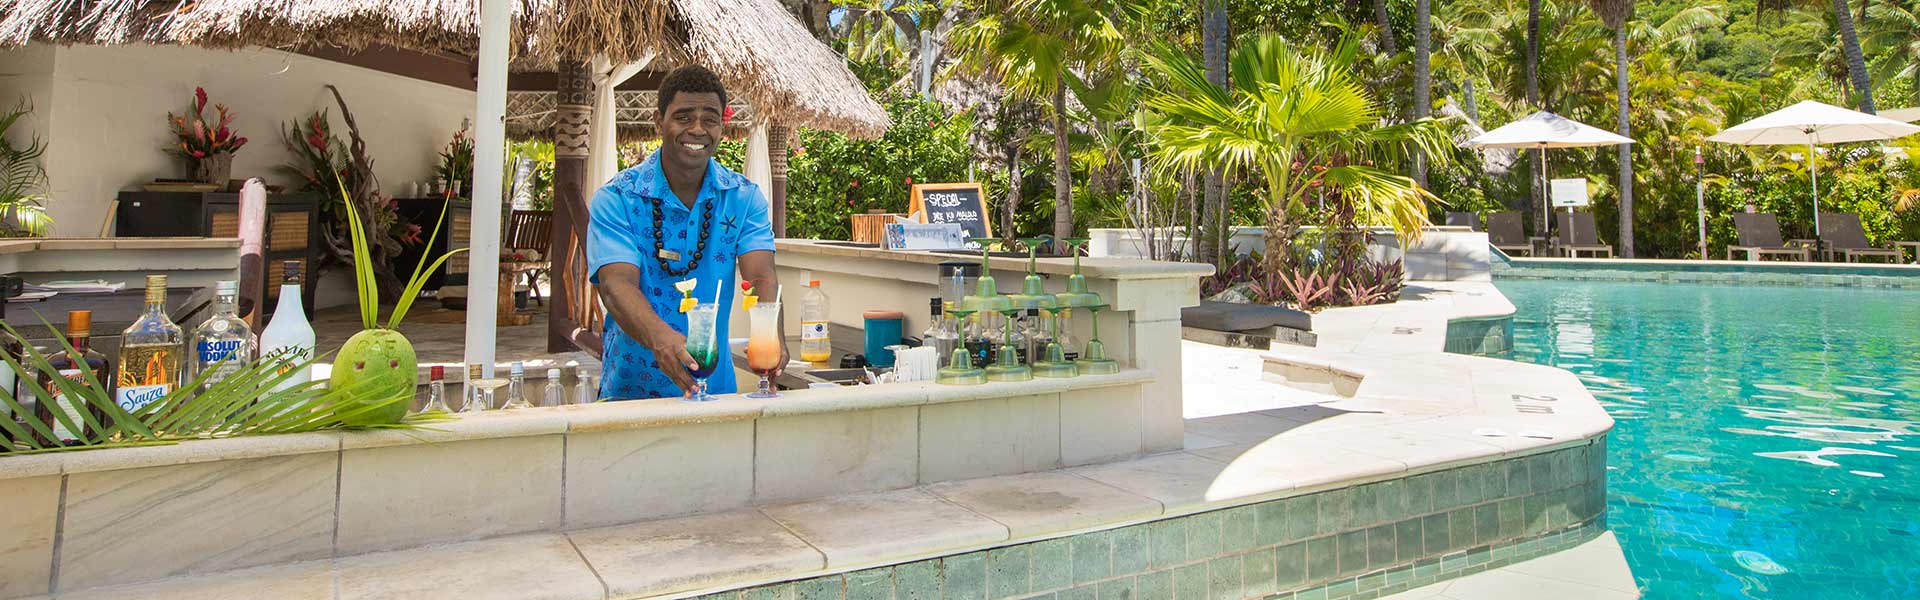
(456, 163)
(208, 148)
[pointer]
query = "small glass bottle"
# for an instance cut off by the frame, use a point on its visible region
(586, 392)
(516, 387)
(979, 345)
(473, 401)
(436, 390)
(939, 335)
(555, 392)
(1063, 324)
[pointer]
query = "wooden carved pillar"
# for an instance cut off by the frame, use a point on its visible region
(777, 155)
(573, 307)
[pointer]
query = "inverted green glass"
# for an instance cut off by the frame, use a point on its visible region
(1094, 360)
(961, 370)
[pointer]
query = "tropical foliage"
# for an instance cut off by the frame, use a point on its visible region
(23, 180)
(1301, 122)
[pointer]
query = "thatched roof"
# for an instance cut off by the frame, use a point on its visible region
(755, 46)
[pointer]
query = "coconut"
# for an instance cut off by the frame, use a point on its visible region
(382, 355)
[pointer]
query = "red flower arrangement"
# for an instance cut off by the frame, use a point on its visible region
(198, 139)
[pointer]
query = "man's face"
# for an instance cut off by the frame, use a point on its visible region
(690, 129)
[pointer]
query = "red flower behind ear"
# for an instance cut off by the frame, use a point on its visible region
(726, 114)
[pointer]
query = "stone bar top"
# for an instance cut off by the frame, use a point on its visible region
(592, 418)
(1093, 268)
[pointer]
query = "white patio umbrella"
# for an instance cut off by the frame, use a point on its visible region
(1909, 115)
(1546, 130)
(1813, 123)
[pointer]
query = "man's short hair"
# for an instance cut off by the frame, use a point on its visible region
(692, 79)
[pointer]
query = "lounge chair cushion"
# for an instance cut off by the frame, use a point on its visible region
(1233, 316)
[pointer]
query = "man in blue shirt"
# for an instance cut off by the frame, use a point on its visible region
(678, 215)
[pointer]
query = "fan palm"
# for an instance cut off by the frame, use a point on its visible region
(1035, 47)
(22, 181)
(1298, 119)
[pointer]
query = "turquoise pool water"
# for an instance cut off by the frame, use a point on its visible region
(1768, 438)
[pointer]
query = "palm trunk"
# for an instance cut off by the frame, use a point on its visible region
(1213, 47)
(1007, 229)
(1386, 27)
(1533, 99)
(1626, 150)
(1856, 62)
(1422, 77)
(1062, 165)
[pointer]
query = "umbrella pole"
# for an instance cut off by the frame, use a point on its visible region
(1813, 168)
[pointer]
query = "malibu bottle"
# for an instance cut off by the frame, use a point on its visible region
(74, 367)
(150, 352)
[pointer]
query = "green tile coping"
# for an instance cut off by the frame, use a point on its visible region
(1190, 556)
(1739, 272)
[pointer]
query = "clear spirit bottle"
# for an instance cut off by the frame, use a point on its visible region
(289, 337)
(555, 392)
(150, 353)
(436, 390)
(224, 344)
(516, 387)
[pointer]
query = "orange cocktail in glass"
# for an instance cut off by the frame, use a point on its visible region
(763, 345)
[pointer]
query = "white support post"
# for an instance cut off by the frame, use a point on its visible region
(489, 165)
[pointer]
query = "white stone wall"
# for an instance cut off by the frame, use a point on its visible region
(102, 111)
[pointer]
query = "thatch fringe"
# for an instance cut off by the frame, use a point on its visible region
(755, 46)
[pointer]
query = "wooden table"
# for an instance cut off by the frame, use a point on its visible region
(509, 272)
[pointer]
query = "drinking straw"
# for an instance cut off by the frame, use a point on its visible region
(777, 289)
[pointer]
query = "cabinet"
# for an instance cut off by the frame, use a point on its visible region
(292, 228)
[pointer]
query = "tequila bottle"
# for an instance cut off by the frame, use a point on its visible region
(150, 352)
(74, 366)
(289, 337)
(224, 344)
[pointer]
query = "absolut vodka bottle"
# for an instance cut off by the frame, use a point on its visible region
(224, 344)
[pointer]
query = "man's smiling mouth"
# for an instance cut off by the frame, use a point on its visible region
(694, 147)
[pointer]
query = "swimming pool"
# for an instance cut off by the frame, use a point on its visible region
(1768, 438)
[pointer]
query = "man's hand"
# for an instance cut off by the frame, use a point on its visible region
(669, 349)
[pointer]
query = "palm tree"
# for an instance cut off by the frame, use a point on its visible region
(1422, 74)
(1213, 44)
(1298, 119)
(1385, 24)
(1615, 14)
(1035, 47)
(1893, 35)
(1533, 101)
(1849, 44)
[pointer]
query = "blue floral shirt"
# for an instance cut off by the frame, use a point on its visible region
(622, 231)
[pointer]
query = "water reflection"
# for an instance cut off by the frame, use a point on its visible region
(1757, 423)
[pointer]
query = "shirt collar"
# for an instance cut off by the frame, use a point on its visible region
(649, 180)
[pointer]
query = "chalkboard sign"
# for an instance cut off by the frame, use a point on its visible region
(959, 203)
